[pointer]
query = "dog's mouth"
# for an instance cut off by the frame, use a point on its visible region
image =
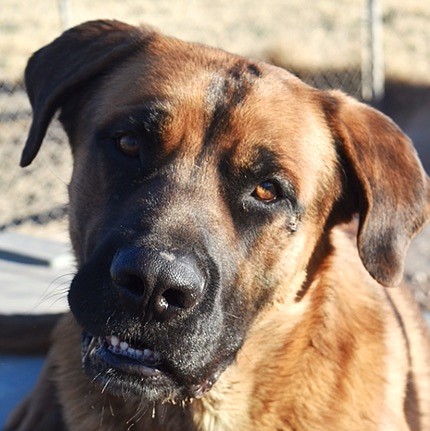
(122, 356)
(121, 368)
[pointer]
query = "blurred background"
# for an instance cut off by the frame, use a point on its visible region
(376, 50)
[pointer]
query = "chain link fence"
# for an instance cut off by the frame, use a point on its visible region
(36, 195)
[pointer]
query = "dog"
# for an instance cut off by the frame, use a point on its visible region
(237, 235)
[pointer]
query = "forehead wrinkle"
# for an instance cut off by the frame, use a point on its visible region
(225, 94)
(214, 93)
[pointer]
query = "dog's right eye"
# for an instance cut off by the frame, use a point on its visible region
(267, 192)
(128, 144)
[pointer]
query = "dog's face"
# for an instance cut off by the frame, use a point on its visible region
(203, 185)
(188, 212)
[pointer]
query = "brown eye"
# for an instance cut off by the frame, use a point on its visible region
(128, 145)
(267, 192)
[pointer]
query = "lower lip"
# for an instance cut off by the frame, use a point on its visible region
(125, 364)
(104, 366)
(95, 349)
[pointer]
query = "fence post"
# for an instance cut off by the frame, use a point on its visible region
(372, 58)
(64, 10)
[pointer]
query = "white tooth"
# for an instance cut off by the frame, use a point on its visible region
(114, 341)
(123, 345)
(131, 350)
(147, 353)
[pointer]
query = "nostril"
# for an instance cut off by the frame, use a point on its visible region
(130, 283)
(176, 298)
(172, 301)
(128, 278)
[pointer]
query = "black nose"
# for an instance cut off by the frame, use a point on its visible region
(159, 284)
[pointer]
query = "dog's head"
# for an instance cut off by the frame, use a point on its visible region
(203, 186)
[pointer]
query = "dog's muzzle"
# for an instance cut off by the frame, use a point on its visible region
(156, 289)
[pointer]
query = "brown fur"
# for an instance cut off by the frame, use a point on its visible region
(326, 346)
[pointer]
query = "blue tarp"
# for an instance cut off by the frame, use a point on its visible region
(18, 375)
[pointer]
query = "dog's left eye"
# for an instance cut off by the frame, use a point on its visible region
(128, 144)
(267, 192)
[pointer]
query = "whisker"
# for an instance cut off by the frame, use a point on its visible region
(102, 412)
(245, 355)
(106, 385)
(111, 409)
(54, 290)
(232, 315)
(96, 377)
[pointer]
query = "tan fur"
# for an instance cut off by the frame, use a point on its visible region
(329, 348)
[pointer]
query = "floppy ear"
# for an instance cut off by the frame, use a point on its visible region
(386, 184)
(57, 71)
